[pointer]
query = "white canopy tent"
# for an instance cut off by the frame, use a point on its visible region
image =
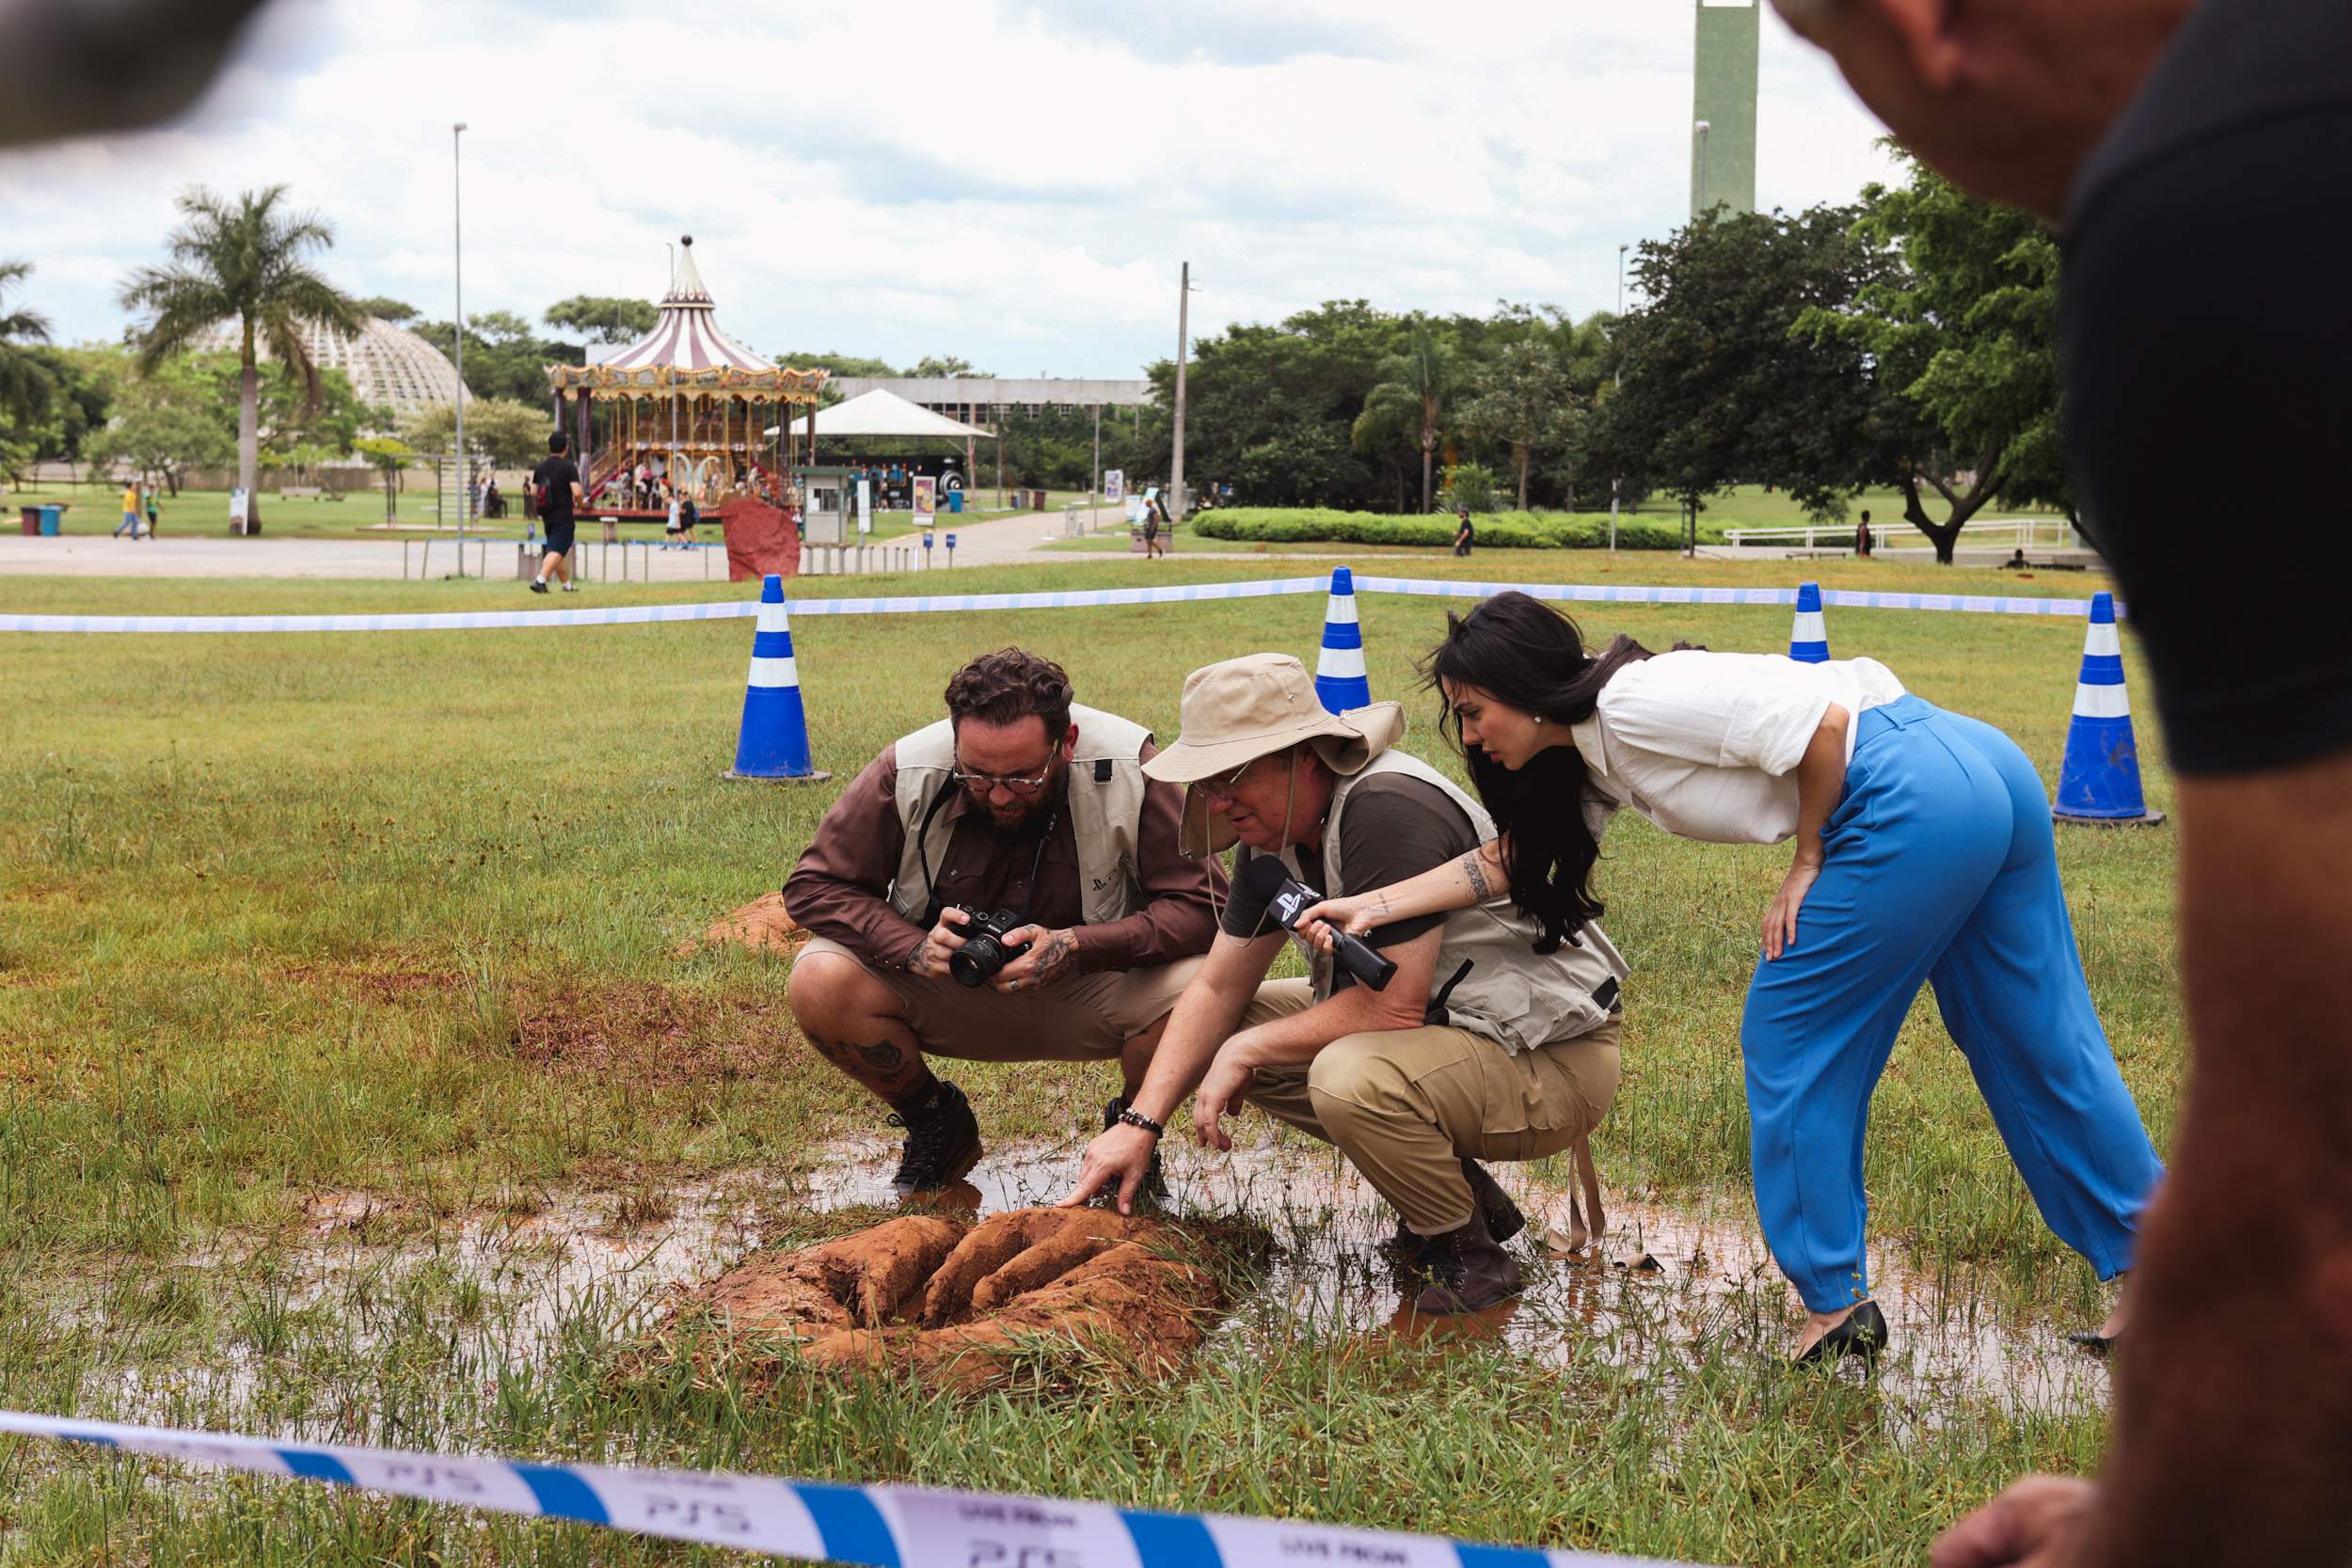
(880, 414)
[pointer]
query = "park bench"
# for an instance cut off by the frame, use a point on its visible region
(308, 492)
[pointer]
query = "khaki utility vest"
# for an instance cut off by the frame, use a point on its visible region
(1106, 806)
(1512, 995)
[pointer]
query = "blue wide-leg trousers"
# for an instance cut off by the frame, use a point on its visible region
(1940, 867)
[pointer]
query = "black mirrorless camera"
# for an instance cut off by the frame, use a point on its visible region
(984, 950)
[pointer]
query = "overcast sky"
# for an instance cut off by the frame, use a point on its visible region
(1013, 182)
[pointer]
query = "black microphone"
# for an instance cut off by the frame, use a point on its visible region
(1286, 901)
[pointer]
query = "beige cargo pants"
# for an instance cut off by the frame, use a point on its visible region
(1407, 1106)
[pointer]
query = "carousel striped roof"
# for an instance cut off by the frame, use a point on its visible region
(686, 337)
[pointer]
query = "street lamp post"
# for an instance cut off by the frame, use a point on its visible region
(1702, 129)
(1176, 462)
(457, 235)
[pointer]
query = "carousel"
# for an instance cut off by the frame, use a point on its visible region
(684, 405)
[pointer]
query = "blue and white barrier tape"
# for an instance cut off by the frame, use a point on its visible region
(885, 1526)
(727, 609)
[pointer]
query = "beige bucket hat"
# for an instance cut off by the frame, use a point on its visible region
(1245, 709)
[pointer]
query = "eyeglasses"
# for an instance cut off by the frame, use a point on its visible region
(1222, 786)
(986, 783)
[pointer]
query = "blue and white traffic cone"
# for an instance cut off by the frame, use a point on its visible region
(2099, 781)
(1809, 639)
(773, 741)
(1339, 678)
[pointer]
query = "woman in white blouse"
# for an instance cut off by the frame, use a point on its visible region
(1924, 854)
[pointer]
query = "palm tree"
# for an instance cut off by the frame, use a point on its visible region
(242, 262)
(24, 386)
(1422, 379)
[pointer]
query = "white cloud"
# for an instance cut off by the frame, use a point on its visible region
(1012, 180)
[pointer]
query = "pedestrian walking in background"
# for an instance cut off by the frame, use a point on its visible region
(1862, 536)
(555, 483)
(1152, 532)
(1467, 535)
(130, 510)
(154, 513)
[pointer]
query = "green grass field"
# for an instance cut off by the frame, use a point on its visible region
(389, 923)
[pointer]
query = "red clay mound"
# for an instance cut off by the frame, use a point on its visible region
(958, 1305)
(761, 924)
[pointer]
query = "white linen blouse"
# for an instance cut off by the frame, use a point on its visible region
(1706, 745)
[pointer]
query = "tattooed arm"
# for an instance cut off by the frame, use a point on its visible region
(1457, 884)
(1051, 955)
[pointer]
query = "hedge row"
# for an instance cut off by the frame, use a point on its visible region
(1502, 530)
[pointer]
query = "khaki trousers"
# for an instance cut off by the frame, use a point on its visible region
(1407, 1106)
(1085, 1017)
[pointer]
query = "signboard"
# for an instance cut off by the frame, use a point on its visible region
(865, 506)
(925, 500)
(1114, 485)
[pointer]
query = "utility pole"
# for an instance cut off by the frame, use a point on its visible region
(457, 236)
(1703, 128)
(1176, 463)
(1094, 491)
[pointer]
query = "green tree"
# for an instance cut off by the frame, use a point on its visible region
(241, 262)
(1720, 386)
(603, 318)
(839, 364)
(389, 456)
(1961, 320)
(930, 365)
(1425, 377)
(383, 308)
(512, 433)
(26, 385)
(169, 422)
(1525, 399)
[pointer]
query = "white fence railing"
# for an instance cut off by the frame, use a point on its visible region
(1981, 534)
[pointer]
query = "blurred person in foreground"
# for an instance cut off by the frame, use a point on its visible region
(1020, 802)
(2184, 149)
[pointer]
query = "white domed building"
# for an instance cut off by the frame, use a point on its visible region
(388, 364)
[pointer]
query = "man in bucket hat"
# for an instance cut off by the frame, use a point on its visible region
(1477, 1048)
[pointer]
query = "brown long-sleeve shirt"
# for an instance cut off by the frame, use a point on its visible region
(838, 889)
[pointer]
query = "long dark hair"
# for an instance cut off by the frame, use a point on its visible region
(1521, 651)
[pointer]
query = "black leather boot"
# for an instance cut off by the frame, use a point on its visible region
(1473, 1270)
(943, 1142)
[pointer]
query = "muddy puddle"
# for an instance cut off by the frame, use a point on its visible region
(1660, 1278)
(1662, 1282)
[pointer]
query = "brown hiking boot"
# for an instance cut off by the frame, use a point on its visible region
(1503, 1218)
(1473, 1270)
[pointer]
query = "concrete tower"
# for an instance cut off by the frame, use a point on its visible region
(1722, 157)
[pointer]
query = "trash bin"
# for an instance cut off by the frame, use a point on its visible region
(29, 516)
(955, 501)
(51, 519)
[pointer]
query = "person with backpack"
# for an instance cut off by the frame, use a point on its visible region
(555, 489)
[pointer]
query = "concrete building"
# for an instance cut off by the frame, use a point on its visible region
(1723, 156)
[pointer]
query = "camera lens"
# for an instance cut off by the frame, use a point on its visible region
(977, 962)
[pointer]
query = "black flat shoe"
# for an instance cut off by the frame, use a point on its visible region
(1861, 1334)
(2094, 1342)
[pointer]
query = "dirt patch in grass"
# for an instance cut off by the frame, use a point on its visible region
(761, 925)
(967, 1308)
(654, 1034)
(391, 980)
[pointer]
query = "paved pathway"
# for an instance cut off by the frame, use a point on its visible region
(996, 542)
